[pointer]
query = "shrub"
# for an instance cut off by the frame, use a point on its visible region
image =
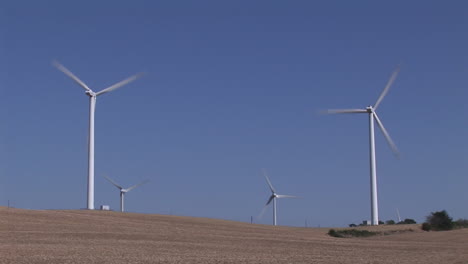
(407, 221)
(359, 233)
(333, 233)
(352, 225)
(426, 227)
(439, 221)
(390, 222)
(351, 233)
(461, 223)
(391, 232)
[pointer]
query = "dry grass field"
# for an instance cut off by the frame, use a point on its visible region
(73, 236)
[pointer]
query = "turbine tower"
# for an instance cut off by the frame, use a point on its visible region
(92, 105)
(371, 110)
(124, 191)
(273, 197)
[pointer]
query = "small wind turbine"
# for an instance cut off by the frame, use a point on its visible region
(123, 191)
(92, 105)
(373, 115)
(398, 214)
(273, 197)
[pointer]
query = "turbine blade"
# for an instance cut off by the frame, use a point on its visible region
(120, 84)
(136, 185)
(113, 182)
(286, 196)
(71, 75)
(387, 87)
(387, 136)
(345, 111)
(268, 181)
(269, 200)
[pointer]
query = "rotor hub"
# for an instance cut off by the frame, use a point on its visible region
(90, 93)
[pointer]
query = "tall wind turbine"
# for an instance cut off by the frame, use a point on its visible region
(273, 197)
(373, 116)
(123, 191)
(92, 105)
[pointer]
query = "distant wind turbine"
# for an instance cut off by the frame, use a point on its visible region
(92, 105)
(273, 197)
(123, 191)
(373, 115)
(398, 214)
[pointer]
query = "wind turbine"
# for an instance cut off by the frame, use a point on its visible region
(398, 214)
(373, 116)
(123, 191)
(92, 105)
(273, 197)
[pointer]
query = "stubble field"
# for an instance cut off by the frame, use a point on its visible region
(75, 236)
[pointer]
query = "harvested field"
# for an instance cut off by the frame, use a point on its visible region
(73, 236)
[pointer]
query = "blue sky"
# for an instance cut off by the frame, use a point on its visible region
(233, 87)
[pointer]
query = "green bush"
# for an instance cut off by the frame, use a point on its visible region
(440, 221)
(351, 233)
(461, 223)
(390, 222)
(332, 232)
(426, 227)
(407, 221)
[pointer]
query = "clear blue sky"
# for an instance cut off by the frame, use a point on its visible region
(233, 87)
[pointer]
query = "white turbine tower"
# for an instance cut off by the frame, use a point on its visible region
(123, 191)
(92, 105)
(373, 115)
(273, 197)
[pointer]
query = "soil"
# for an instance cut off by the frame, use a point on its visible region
(82, 236)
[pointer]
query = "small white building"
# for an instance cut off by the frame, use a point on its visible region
(105, 207)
